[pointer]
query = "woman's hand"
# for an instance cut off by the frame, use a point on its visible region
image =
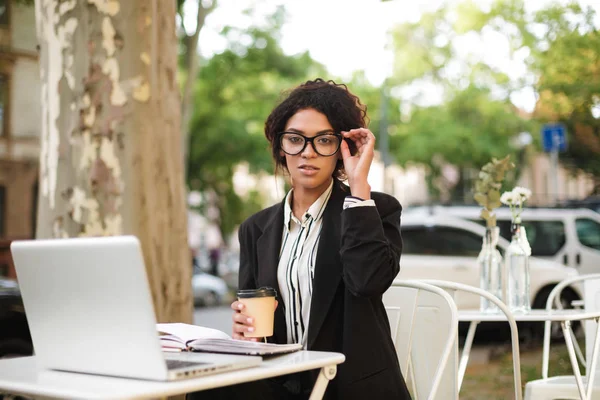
(357, 166)
(241, 322)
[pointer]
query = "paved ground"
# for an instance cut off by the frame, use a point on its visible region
(214, 317)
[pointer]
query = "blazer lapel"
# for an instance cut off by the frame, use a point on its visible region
(268, 247)
(328, 270)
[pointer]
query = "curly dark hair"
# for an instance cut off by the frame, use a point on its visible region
(342, 108)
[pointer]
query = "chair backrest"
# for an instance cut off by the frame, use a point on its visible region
(514, 331)
(591, 297)
(424, 327)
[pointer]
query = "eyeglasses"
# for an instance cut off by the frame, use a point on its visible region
(324, 145)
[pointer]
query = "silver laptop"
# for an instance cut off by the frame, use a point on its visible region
(90, 310)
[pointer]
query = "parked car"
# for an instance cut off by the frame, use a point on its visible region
(570, 237)
(15, 339)
(208, 290)
(229, 262)
(591, 202)
(446, 247)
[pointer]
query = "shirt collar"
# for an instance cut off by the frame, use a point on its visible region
(315, 211)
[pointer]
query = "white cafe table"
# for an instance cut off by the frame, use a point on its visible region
(22, 376)
(565, 317)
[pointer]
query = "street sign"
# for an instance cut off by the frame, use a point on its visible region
(554, 137)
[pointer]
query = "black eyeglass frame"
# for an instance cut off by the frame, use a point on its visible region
(311, 141)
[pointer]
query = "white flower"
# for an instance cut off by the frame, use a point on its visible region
(508, 198)
(522, 193)
(515, 199)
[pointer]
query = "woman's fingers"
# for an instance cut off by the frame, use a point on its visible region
(241, 322)
(242, 337)
(356, 139)
(242, 328)
(237, 306)
(345, 152)
(241, 325)
(357, 133)
(357, 165)
(360, 136)
(363, 139)
(240, 318)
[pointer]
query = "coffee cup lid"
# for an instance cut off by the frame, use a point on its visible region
(260, 292)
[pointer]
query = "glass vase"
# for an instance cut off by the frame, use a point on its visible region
(517, 271)
(490, 269)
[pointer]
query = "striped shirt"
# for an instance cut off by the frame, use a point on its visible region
(297, 260)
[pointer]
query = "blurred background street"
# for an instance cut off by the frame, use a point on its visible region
(218, 317)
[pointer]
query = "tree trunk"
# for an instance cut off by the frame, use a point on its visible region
(111, 161)
(187, 101)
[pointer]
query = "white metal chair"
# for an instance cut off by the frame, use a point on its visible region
(566, 387)
(453, 287)
(424, 325)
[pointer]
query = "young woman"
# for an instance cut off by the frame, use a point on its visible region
(330, 250)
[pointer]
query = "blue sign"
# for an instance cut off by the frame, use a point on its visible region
(554, 137)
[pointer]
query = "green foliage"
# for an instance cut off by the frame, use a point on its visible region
(421, 48)
(468, 130)
(235, 92)
(472, 123)
(564, 46)
(475, 119)
(372, 97)
(469, 17)
(489, 185)
(569, 89)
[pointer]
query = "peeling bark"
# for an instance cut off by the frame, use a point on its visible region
(111, 161)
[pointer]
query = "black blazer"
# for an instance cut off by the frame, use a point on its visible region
(357, 259)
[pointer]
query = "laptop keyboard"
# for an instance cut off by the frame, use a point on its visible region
(174, 364)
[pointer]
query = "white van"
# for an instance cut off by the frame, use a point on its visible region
(446, 247)
(567, 236)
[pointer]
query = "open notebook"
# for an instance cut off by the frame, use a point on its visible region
(185, 337)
